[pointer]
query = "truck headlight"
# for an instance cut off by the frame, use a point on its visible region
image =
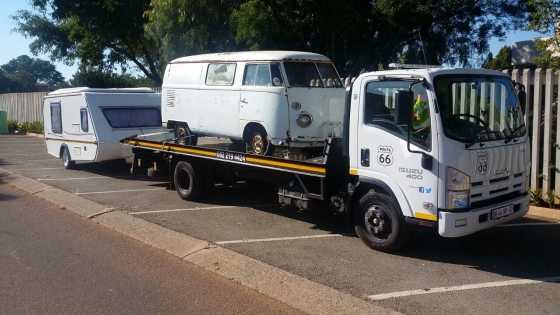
(304, 120)
(458, 189)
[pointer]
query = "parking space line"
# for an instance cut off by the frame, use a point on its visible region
(530, 224)
(118, 191)
(181, 210)
(494, 284)
(274, 239)
(69, 178)
(38, 168)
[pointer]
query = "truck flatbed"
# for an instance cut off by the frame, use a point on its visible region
(225, 151)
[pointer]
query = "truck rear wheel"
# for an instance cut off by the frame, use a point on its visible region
(379, 223)
(189, 184)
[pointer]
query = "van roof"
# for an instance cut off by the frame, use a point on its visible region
(263, 55)
(78, 90)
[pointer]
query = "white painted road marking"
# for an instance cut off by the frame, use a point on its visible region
(277, 239)
(36, 168)
(530, 224)
(117, 191)
(385, 296)
(180, 210)
(195, 209)
(69, 178)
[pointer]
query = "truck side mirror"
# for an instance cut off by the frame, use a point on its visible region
(403, 106)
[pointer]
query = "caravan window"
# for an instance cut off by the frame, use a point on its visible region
(84, 119)
(220, 74)
(56, 118)
(128, 117)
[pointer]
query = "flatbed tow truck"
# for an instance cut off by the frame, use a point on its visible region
(441, 148)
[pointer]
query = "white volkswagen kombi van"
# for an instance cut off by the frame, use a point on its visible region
(260, 98)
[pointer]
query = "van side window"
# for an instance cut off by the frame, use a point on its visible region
(56, 118)
(220, 74)
(257, 75)
(84, 119)
(276, 75)
(380, 111)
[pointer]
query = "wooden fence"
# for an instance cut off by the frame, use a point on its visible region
(23, 107)
(543, 123)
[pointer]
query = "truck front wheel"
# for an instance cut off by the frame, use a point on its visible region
(379, 223)
(190, 185)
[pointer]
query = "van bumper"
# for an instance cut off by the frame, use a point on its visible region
(456, 224)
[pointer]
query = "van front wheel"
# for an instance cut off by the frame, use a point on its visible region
(379, 222)
(67, 160)
(257, 142)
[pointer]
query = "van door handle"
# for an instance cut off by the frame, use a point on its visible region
(244, 101)
(365, 157)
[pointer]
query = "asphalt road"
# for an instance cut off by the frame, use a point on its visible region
(482, 274)
(54, 262)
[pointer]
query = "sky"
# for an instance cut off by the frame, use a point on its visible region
(16, 44)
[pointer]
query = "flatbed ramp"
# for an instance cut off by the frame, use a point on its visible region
(214, 149)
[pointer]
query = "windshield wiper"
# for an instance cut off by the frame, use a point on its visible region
(513, 132)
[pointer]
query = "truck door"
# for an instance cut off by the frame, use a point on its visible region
(382, 145)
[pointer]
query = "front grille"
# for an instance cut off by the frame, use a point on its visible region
(496, 200)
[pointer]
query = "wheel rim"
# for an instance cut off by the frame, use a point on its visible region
(258, 144)
(184, 182)
(181, 134)
(65, 158)
(378, 222)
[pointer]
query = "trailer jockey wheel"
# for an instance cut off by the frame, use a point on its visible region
(379, 222)
(189, 184)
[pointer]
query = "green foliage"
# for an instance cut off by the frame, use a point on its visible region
(546, 57)
(100, 33)
(25, 74)
(96, 78)
(501, 62)
(356, 34)
(24, 127)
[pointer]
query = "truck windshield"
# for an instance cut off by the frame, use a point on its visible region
(479, 108)
(312, 75)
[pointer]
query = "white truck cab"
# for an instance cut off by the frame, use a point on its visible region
(448, 146)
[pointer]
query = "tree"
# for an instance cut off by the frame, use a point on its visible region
(501, 62)
(25, 74)
(99, 33)
(357, 33)
(99, 78)
(544, 17)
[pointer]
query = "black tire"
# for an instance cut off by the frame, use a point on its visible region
(256, 142)
(189, 184)
(378, 221)
(67, 159)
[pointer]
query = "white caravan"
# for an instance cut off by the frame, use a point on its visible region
(84, 124)
(282, 98)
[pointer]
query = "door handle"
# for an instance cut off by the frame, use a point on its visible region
(244, 101)
(365, 157)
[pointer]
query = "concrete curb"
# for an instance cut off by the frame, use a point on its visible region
(293, 290)
(544, 213)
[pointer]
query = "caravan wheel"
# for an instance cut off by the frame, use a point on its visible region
(67, 160)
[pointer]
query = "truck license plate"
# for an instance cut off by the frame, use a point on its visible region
(502, 212)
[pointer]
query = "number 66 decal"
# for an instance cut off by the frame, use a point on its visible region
(384, 156)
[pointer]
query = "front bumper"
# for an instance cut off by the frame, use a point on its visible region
(456, 224)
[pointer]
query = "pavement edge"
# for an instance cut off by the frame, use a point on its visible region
(300, 293)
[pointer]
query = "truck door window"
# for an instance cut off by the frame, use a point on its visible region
(56, 118)
(329, 76)
(380, 111)
(220, 74)
(84, 119)
(257, 75)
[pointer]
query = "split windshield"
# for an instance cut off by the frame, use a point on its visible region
(312, 75)
(479, 108)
